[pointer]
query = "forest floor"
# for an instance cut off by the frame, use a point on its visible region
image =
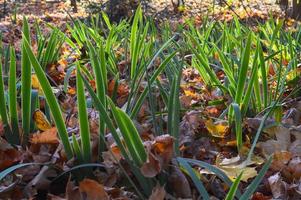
(203, 135)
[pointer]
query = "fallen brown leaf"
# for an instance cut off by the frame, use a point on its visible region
(92, 190)
(158, 193)
(47, 137)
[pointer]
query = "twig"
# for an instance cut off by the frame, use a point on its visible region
(225, 2)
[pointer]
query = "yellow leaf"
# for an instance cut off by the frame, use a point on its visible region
(41, 121)
(217, 129)
(35, 84)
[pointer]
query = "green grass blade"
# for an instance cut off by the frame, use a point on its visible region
(174, 111)
(251, 85)
(243, 70)
(76, 150)
(3, 109)
(103, 113)
(254, 184)
(15, 167)
(142, 97)
(51, 100)
(263, 76)
(99, 69)
(134, 43)
(198, 184)
(83, 118)
(130, 135)
(26, 86)
(233, 188)
(213, 169)
(238, 125)
(12, 91)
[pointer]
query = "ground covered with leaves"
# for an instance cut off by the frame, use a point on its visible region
(208, 107)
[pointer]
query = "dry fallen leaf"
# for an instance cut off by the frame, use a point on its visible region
(41, 120)
(92, 190)
(234, 166)
(8, 155)
(178, 181)
(160, 152)
(151, 167)
(158, 193)
(72, 192)
(47, 137)
(217, 129)
(278, 187)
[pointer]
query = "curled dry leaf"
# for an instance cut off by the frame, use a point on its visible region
(160, 152)
(163, 147)
(294, 167)
(8, 155)
(47, 137)
(92, 190)
(178, 181)
(41, 120)
(152, 166)
(278, 187)
(72, 192)
(281, 159)
(158, 193)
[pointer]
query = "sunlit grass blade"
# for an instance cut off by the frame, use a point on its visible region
(251, 84)
(264, 76)
(233, 188)
(204, 63)
(3, 108)
(238, 125)
(83, 118)
(145, 183)
(198, 184)
(243, 70)
(103, 113)
(76, 150)
(153, 77)
(260, 128)
(25, 85)
(174, 111)
(130, 135)
(254, 184)
(12, 91)
(134, 43)
(213, 169)
(51, 100)
(100, 72)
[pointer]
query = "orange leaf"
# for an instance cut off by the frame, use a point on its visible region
(93, 190)
(41, 120)
(47, 137)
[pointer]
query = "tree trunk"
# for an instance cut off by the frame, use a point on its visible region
(283, 4)
(74, 6)
(297, 9)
